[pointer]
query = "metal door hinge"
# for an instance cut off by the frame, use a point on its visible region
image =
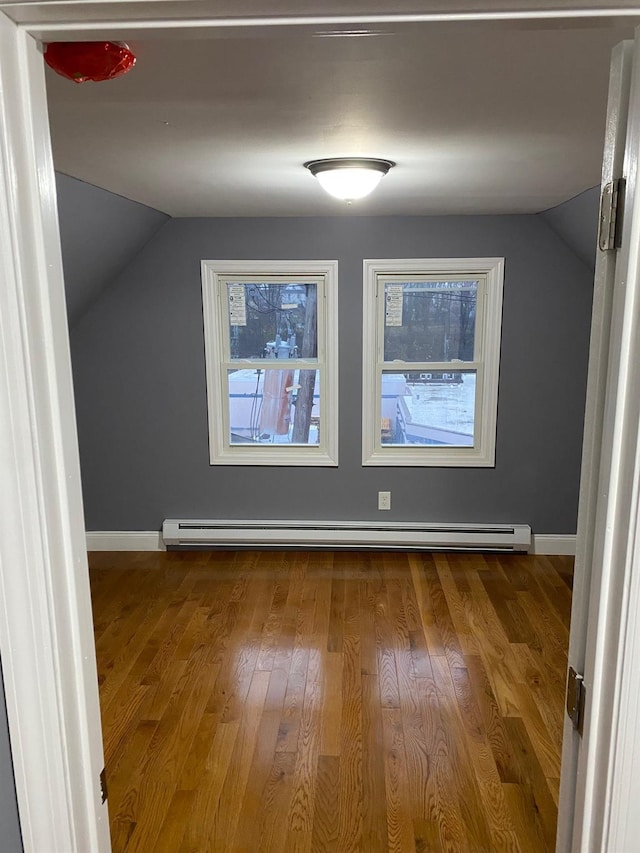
(611, 214)
(575, 698)
(103, 786)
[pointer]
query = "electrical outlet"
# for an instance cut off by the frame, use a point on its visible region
(384, 500)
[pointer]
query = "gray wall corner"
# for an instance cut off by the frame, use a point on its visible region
(100, 233)
(576, 223)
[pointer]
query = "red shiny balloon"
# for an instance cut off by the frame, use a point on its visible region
(89, 60)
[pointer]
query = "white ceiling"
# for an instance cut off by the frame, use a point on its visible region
(481, 117)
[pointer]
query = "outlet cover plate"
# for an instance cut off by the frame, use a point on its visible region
(384, 500)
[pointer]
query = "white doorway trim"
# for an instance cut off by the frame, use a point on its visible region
(608, 765)
(46, 639)
(589, 579)
(46, 634)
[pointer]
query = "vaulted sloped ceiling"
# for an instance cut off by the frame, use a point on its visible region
(100, 234)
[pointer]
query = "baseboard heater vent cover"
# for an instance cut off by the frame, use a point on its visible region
(357, 535)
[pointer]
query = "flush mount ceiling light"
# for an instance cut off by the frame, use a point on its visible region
(349, 177)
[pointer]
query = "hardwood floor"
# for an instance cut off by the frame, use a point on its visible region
(294, 701)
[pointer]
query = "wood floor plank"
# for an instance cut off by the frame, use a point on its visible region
(327, 805)
(400, 834)
(236, 782)
(275, 801)
(455, 603)
(369, 589)
(161, 692)
(273, 623)
(294, 697)
(131, 656)
(336, 620)
(166, 755)
(350, 778)
(262, 762)
(374, 797)
(322, 612)
(123, 721)
(451, 641)
(175, 822)
(541, 678)
(443, 818)
(545, 745)
(432, 635)
(520, 807)
(535, 789)
(122, 768)
(414, 740)
(302, 808)
(492, 799)
(206, 812)
(461, 765)
(494, 646)
(331, 702)
(331, 723)
(493, 721)
(557, 593)
(195, 763)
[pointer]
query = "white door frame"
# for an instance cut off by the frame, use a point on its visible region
(588, 575)
(46, 635)
(608, 778)
(46, 640)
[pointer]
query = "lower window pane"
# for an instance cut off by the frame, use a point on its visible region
(274, 406)
(431, 408)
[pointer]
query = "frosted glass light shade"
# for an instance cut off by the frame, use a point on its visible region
(349, 178)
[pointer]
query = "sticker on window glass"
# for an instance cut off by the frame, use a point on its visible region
(393, 305)
(237, 305)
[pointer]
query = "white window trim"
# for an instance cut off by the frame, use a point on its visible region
(221, 451)
(482, 454)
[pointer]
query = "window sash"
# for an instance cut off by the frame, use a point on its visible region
(488, 273)
(216, 275)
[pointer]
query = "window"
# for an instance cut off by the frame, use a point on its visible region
(271, 349)
(431, 360)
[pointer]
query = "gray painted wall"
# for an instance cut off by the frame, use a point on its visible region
(10, 836)
(100, 233)
(576, 222)
(140, 381)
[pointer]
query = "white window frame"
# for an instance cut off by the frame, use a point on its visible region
(490, 275)
(216, 335)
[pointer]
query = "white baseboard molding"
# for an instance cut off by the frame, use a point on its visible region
(151, 540)
(125, 540)
(554, 544)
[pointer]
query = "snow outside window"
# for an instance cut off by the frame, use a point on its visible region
(271, 354)
(431, 361)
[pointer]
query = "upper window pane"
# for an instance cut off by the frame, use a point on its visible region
(430, 320)
(272, 320)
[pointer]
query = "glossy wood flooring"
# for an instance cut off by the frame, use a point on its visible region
(331, 701)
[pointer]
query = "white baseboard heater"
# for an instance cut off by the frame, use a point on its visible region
(341, 535)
